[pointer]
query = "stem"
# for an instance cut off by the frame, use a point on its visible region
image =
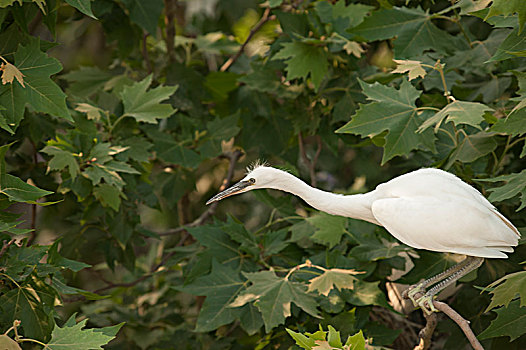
(33, 341)
(440, 69)
(264, 19)
(428, 108)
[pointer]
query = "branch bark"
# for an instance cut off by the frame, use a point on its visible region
(462, 323)
(431, 322)
(264, 19)
(311, 164)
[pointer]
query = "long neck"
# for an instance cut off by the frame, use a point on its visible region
(356, 206)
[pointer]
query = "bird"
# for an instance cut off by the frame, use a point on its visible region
(428, 209)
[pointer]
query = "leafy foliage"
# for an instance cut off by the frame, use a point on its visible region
(114, 138)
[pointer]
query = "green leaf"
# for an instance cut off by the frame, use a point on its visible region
(513, 125)
(356, 342)
(73, 337)
(507, 288)
(219, 245)
(514, 45)
(19, 191)
(301, 340)
(340, 15)
(379, 251)
(303, 60)
(508, 7)
(61, 160)
(472, 147)
(413, 28)
(458, 112)
(220, 84)
(108, 196)
(220, 287)
(333, 278)
(514, 184)
(273, 296)
(392, 110)
(365, 293)
(329, 228)
(510, 322)
(145, 13)
(171, 151)
(83, 6)
(40, 91)
(22, 303)
(145, 106)
(85, 81)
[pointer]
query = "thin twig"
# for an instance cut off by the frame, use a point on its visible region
(310, 164)
(264, 19)
(233, 158)
(145, 53)
(169, 9)
(6, 246)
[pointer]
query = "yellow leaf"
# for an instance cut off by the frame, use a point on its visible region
(339, 278)
(352, 47)
(413, 67)
(10, 72)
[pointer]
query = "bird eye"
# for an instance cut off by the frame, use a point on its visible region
(252, 180)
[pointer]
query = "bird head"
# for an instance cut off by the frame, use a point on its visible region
(259, 177)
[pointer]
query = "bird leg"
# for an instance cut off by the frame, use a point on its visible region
(463, 268)
(410, 292)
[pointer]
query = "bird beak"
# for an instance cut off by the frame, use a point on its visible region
(235, 189)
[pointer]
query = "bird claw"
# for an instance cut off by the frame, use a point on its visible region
(426, 304)
(412, 291)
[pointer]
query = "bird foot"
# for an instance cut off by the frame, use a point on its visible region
(410, 293)
(426, 304)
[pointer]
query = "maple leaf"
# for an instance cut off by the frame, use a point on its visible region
(62, 159)
(10, 72)
(458, 112)
(39, 91)
(413, 28)
(73, 337)
(392, 110)
(329, 228)
(413, 67)
(220, 287)
(509, 7)
(145, 106)
(514, 184)
(506, 288)
(510, 321)
(274, 296)
(303, 60)
(329, 279)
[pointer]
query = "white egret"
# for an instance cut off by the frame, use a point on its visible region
(426, 209)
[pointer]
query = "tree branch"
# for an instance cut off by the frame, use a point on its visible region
(431, 322)
(264, 19)
(233, 157)
(462, 323)
(5, 246)
(310, 164)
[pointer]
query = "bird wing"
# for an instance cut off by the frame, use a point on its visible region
(446, 223)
